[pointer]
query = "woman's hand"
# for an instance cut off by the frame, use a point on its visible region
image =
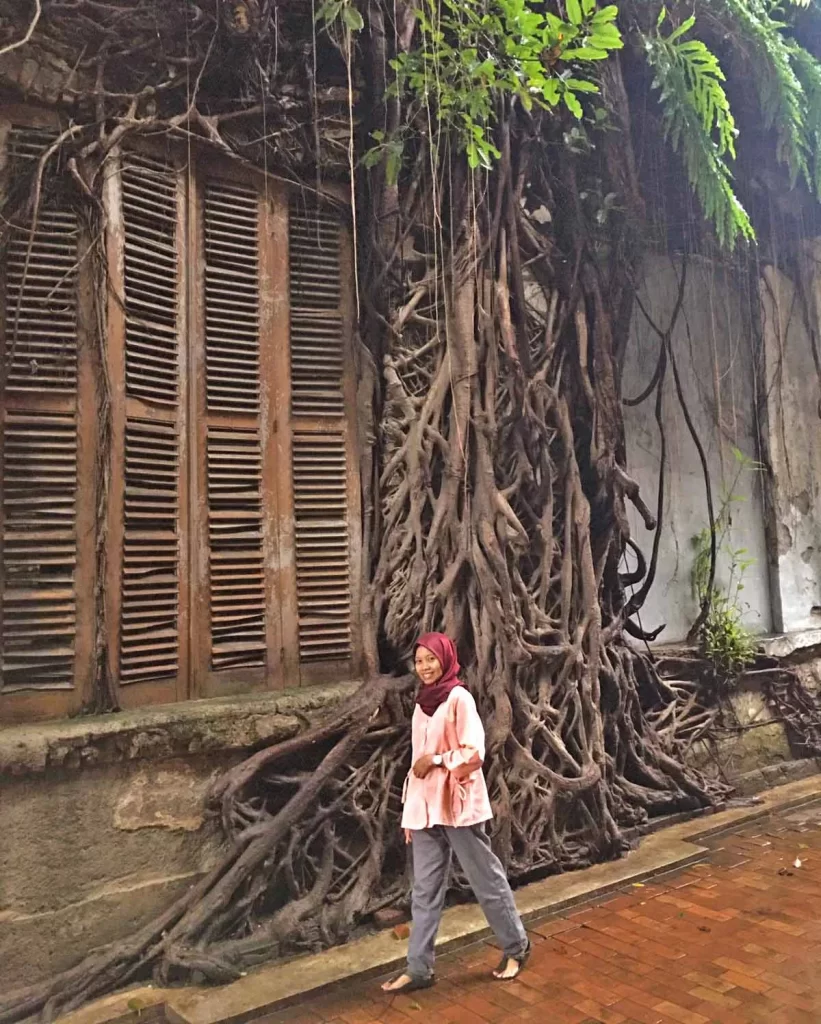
(463, 772)
(424, 766)
(407, 837)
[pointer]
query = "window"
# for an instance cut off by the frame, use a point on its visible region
(227, 467)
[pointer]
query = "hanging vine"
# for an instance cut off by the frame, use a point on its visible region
(500, 218)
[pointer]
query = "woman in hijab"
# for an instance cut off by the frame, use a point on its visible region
(446, 805)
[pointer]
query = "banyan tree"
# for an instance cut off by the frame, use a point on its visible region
(506, 169)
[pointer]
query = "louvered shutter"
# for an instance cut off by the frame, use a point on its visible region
(41, 492)
(322, 478)
(237, 635)
(150, 649)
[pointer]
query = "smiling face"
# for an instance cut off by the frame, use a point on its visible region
(428, 667)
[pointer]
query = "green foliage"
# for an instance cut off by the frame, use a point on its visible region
(697, 116)
(808, 72)
(724, 639)
(476, 53)
(698, 123)
(759, 26)
(331, 12)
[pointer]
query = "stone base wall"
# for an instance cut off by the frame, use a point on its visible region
(102, 820)
(753, 750)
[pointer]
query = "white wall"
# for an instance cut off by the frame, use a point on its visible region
(793, 405)
(715, 352)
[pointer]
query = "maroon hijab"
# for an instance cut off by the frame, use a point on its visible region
(430, 697)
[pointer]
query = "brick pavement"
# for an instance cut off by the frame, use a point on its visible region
(735, 940)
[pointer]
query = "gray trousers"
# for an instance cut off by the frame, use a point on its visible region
(432, 848)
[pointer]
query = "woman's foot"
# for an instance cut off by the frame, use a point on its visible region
(406, 983)
(509, 971)
(511, 966)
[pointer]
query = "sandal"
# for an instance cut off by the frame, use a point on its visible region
(414, 985)
(520, 958)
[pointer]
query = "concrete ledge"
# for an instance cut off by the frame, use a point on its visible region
(170, 730)
(786, 644)
(277, 985)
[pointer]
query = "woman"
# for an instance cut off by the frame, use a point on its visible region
(446, 806)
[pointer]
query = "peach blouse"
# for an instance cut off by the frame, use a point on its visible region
(455, 794)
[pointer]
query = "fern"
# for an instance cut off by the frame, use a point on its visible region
(808, 72)
(698, 121)
(757, 24)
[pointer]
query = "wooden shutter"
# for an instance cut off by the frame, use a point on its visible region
(45, 503)
(324, 485)
(147, 332)
(239, 636)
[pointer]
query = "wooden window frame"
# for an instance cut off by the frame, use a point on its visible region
(278, 426)
(276, 195)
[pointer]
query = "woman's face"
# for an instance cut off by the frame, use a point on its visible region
(428, 666)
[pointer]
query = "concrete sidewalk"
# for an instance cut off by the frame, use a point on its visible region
(272, 988)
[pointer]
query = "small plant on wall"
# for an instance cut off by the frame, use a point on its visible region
(724, 639)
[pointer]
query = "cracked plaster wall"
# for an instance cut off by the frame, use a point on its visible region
(794, 446)
(715, 352)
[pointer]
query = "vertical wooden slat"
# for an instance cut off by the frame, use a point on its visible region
(115, 367)
(350, 384)
(281, 393)
(87, 471)
(271, 340)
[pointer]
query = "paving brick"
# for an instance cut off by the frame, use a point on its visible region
(726, 942)
(747, 982)
(673, 1011)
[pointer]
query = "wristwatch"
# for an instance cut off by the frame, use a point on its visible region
(438, 760)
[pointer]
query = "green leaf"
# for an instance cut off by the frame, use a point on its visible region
(683, 29)
(329, 11)
(579, 85)
(573, 104)
(551, 92)
(605, 15)
(588, 7)
(599, 41)
(353, 19)
(574, 11)
(585, 53)
(609, 33)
